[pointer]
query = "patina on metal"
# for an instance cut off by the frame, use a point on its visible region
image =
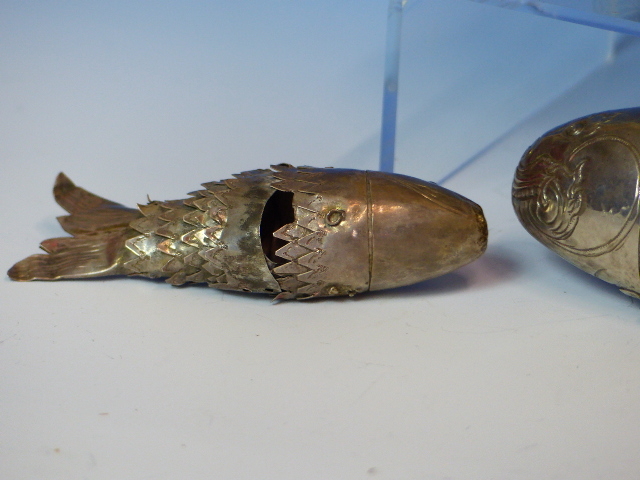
(291, 232)
(576, 190)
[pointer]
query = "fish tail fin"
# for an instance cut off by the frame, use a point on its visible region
(100, 229)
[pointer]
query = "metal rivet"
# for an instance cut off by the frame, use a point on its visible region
(334, 217)
(577, 128)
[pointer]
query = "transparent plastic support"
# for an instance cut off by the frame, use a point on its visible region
(460, 74)
(390, 94)
(622, 16)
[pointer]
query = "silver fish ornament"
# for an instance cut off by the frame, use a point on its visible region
(286, 231)
(577, 191)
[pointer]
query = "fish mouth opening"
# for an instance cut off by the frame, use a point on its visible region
(278, 212)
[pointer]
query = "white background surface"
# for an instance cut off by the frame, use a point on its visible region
(516, 366)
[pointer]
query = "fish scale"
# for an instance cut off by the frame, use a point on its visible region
(186, 228)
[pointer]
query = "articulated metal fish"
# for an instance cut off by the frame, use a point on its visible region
(577, 191)
(291, 232)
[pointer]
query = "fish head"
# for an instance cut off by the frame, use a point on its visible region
(362, 230)
(419, 230)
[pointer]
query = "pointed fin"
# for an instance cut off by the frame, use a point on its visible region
(75, 257)
(99, 220)
(89, 213)
(75, 199)
(100, 228)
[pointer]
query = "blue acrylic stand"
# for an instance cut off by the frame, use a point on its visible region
(459, 75)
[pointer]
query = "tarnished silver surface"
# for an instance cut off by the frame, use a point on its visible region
(291, 232)
(576, 191)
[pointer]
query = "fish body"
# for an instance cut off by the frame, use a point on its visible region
(290, 232)
(577, 191)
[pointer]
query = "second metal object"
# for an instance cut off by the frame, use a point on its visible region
(577, 191)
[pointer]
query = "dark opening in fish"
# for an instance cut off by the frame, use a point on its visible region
(278, 212)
